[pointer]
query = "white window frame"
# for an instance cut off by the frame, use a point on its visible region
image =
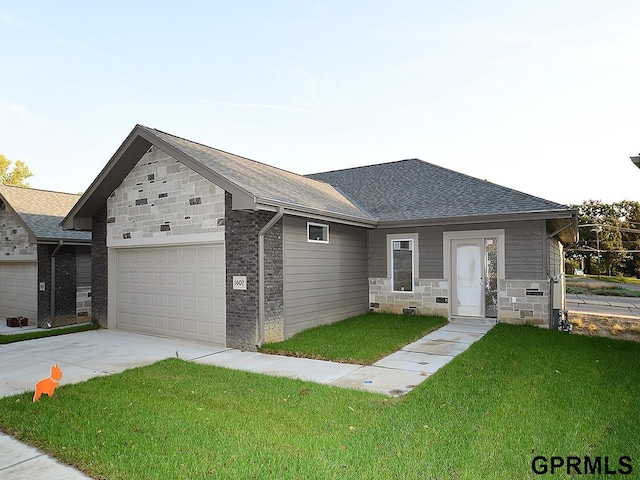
(413, 238)
(324, 226)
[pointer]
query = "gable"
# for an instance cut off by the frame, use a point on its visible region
(163, 200)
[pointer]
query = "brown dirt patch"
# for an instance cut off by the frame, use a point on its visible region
(623, 328)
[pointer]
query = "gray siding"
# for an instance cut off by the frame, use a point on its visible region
(525, 249)
(525, 252)
(429, 251)
(83, 267)
(323, 283)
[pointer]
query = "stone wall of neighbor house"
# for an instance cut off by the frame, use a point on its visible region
(241, 243)
(83, 304)
(14, 239)
(162, 198)
(430, 297)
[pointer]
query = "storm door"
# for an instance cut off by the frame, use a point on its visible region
(474, 277)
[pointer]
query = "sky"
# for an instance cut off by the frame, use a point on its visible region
(542, 97)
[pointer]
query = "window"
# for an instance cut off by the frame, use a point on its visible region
(317, 232)
(402, 265)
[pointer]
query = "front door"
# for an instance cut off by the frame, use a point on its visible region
(467, 277)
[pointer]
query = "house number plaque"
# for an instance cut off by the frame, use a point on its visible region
(239, 282)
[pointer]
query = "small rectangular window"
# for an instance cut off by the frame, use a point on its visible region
(317, 232)
(402, 265)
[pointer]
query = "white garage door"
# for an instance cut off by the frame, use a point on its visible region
(172, 291)
(19, 290)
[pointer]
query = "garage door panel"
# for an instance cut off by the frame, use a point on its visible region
(182, 289)
(19, 290)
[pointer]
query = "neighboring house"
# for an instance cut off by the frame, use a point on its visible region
(190, 241)
(38, 257)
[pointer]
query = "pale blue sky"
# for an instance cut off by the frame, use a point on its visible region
(542, 96)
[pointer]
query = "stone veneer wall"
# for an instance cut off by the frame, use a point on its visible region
(241, 244)
(429, 297)
(83, 304)
(14, 239)
(162, 198)
(524, 302)
(520, 301)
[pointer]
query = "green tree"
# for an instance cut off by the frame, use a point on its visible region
(17, 176)
(607, 233)
(629, 214)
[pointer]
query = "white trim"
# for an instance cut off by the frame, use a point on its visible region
(448, 237)
(167, 241)
(321, 225)
(413, 237)
(32, 258)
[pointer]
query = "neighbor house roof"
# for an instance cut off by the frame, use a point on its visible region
(253, 185)
(41, 212)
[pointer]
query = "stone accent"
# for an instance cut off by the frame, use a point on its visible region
(83, 304)
(163, 198)
(14, 239)
(99, 269)
(515, 306)
(241, 240)
(426, 298)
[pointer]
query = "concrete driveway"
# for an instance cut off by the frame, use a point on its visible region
(604, 305)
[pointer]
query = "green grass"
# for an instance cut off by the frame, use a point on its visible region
(30, 335)
(585, 289)
(517, 393)
(363, 339)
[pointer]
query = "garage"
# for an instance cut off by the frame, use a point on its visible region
(19, 290)
(176, 291)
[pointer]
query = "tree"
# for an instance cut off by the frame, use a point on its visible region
(607, 233)
(15, 177)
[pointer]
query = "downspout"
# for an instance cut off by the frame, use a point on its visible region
(53, 282)
(261, 287)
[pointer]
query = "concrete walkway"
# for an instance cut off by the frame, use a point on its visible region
(85, 355)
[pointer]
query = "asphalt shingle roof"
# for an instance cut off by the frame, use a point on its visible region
(414, 189)
(266, 182)
(42, 211)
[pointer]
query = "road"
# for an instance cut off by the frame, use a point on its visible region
(604, 305)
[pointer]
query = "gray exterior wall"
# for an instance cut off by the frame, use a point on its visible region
(323, 283)
(523, 293)
(525, 249)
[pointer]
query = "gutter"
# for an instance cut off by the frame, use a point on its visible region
(261, 287)
(53, 281)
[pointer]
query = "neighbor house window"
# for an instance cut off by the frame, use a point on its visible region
(317, 232)
(402, 265)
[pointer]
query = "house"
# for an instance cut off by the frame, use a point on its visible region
(194, 242)
(45, 271)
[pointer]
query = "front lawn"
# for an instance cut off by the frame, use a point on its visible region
(362, 340)
(519, 393)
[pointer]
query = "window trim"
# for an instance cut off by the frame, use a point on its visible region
(391, 238)
(324, 226)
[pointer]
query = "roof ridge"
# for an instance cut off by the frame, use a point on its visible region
(230, 153)
(455, 172)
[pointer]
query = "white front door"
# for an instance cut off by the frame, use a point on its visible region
(467, 273)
